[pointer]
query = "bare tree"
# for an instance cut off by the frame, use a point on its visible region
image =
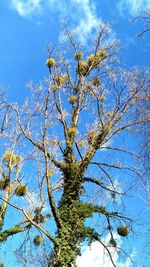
(79, 125)
(144, 17)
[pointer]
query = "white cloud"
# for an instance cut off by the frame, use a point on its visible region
(79, 12)
(133, 7)
(96, 256)
(89, 20)
(26, 8)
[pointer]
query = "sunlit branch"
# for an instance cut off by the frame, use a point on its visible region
(49, 188)
(37, 145)
(30, 220)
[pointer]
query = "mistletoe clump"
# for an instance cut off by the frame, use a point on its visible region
(54, 88)
(94, 60)
(21, 190)
(72, 131)
(78, 55)
(78, 89)
(89, 86)
(83, 68)
(39, 218)
(103, 54)
(102, 98)
(96, 81)
(50, 62)
(10, 159)
(72, 99)
(108, 113)
(123, 231)
(38, 240)
(4, 183)
(59, 80)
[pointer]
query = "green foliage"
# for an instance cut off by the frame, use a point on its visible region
(4, 183)
(101, 98)
(39, 218)
(38, 240)
(5, 234)
(72, 99)
(59, 80)
(54, 88)
(78, 89)
(78, 55)
(72, 131)
(83, 68)
(21, 190)
(89, 86)
(103, 54)
(50, 62)
(73, 214)
(11, 160)
(94, 60)
(123, 231)
(96, 81)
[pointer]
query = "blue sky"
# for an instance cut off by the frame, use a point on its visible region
(26, 27)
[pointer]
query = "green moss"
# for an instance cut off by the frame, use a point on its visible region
(5, 234)
(91, 137)
(102, 209)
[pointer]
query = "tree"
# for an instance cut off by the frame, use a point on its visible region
(75, 125)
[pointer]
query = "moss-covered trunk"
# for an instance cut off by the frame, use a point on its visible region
(69, 235)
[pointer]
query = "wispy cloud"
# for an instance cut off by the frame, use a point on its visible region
(89, 20)
(132, 7)
(26, 8)
(96, 256)
(81, 13)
